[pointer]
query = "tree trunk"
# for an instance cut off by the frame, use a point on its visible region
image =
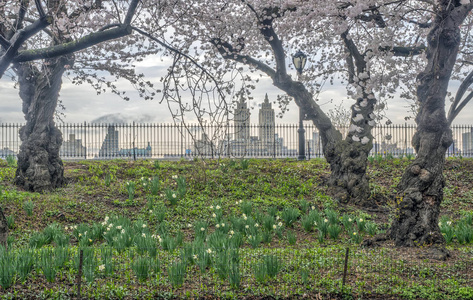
(39, 165)
(418, 207)
(348, 158)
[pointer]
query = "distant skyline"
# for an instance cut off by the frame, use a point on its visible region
(84, 105)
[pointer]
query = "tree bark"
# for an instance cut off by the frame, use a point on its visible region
(39, 166)
(418, 206)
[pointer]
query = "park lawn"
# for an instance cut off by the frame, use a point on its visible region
(282, 233)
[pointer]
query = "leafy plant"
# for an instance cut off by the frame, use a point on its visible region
(291, 238)
(332, 216)
(47, 264)
(177, 273)
(61, 256)
(290, 215)
(181, 186)
(371, 228)
(334, 230)
(244, 164)
(108, 179)
(28, 206)
(11, 160)
(155, 186)
(247, 207)
(171, 195)
(130, 188)
(10, 221)
(7, 268)
(24, 263)
(141, 268)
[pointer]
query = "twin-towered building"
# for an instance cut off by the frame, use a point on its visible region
(241, 142)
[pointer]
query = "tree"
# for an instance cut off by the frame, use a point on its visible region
(39, 165)
(418, 207)
(260, 34)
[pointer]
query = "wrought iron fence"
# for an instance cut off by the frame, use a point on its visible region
(175, 140)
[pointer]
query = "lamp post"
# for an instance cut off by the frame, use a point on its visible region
(299, 59)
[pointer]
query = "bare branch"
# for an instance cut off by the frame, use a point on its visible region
(457, 104)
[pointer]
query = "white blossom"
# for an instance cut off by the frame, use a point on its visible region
(365, 140)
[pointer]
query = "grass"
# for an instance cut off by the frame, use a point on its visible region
(275, 214)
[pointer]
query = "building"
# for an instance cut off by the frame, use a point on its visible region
(135, 152)
(241, 122)
(110, 143)
(267, 125)
(467, 143)
(72, 148)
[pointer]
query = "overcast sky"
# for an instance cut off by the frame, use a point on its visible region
(84, 105)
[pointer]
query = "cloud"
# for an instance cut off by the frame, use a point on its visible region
(119, 118)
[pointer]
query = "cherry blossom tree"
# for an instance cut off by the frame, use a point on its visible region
(344, 40)
(418, 207)
(39, 165)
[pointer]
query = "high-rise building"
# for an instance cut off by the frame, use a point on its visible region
(467, 143)
(242, 121)
(266, 123)
(72, 148)
(110, 143)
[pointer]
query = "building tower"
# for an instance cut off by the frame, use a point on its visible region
(110, 143)
(242, 122)
(267, 125)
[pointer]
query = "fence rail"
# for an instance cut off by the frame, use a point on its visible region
(175, 140)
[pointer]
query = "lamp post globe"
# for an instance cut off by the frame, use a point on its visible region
(299, 59)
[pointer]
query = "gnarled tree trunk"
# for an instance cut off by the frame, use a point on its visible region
(348, 158)
(418, 207)
(39, 166)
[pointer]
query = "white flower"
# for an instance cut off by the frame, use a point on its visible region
(209, 251)
(217, 207)
(256, 225)
(211, 207)
(194, 256)
(277, 218)
(440, 224)
(349, 219)
(247, 226)
(365, 140)
(274, 226)
(202, 229)
(214, 215)
(223, 224)
(325, 220)
(150, 211)
(144, 225)
(244, 215)
(123, 231)
(217, 226)
(354, 233)
(108, 228)
(449, 223)
(313, 207)
(80, 234)
(106, 218)
(245, 218)
(280, 224)
(143, 235)
(189, 225)
(119, 227)
(174, 176)
(315, 223)
(361, 220)
(174, 195)
(103, 223)
(66, 228)
(232, 232)
(101, 267)
(110, 225)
